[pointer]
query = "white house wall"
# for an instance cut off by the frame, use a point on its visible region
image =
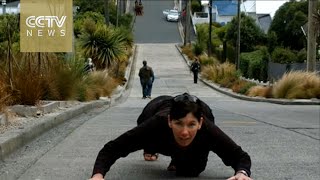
(224, 19)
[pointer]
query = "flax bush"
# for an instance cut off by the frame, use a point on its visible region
(224, 74)
(297, 85)
(205, 60)
(5, 96)
(260, 91)
(187, 50)
(27, 83)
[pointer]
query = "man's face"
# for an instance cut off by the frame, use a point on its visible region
(185, 129)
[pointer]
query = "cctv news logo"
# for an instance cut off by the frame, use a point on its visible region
(46, 25)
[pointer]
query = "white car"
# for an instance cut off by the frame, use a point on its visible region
(171, 15)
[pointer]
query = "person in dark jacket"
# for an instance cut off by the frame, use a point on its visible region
(181, 127)
(195, 68)
(146, 79)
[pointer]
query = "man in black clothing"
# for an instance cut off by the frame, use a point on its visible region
(146, 79)
(195, 68)
(181, 127)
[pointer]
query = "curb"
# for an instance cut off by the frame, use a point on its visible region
(229, 92)
(12, 140)
(15, 139)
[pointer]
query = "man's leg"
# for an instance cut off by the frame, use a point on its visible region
(144, 89)
(149, 89)
(195, 77)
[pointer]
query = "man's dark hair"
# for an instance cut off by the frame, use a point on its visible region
(184, 104)
(144, 62)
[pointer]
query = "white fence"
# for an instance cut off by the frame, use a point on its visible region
(200, 17)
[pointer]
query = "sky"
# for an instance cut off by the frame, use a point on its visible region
(264, 6)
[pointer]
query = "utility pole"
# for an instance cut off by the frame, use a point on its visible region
(210, 29)
(311, 49)
(187, 24)
(238, 37)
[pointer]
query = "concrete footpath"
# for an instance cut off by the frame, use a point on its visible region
(293, 156)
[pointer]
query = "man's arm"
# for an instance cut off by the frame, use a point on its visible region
(152, 74)
(230, 153)
(126, 143)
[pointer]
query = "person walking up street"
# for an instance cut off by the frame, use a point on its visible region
(146, 79)
(195, 68)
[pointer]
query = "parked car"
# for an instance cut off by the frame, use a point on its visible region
(171, 15)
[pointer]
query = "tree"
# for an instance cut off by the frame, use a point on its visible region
(251, 34)
(107, 8)
(80, 19)
(92, 5)
(287, 24)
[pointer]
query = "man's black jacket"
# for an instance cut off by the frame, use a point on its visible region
(153, 130)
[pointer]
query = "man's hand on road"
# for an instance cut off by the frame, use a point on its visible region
(97, 177)
(239, 176)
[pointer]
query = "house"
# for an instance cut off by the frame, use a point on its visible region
(264, 21)
(10, 8)
(222, 10)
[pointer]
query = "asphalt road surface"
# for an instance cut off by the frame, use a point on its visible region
(152, 26)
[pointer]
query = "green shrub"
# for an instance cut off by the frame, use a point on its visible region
(197, 48)
(219, 53)
(283, 56)
(254, 64)
(205, 60)
(302, 55)
(203, 38)
(125, 20)
(250, 64)
(272, 41)
(79, 22)
(244, 89)
(231, 53)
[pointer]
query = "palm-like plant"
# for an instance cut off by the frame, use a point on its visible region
(124, 35)
(111, 46)
(105, 46)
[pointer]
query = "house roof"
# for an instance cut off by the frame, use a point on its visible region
(264, 21)
(226, 7)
